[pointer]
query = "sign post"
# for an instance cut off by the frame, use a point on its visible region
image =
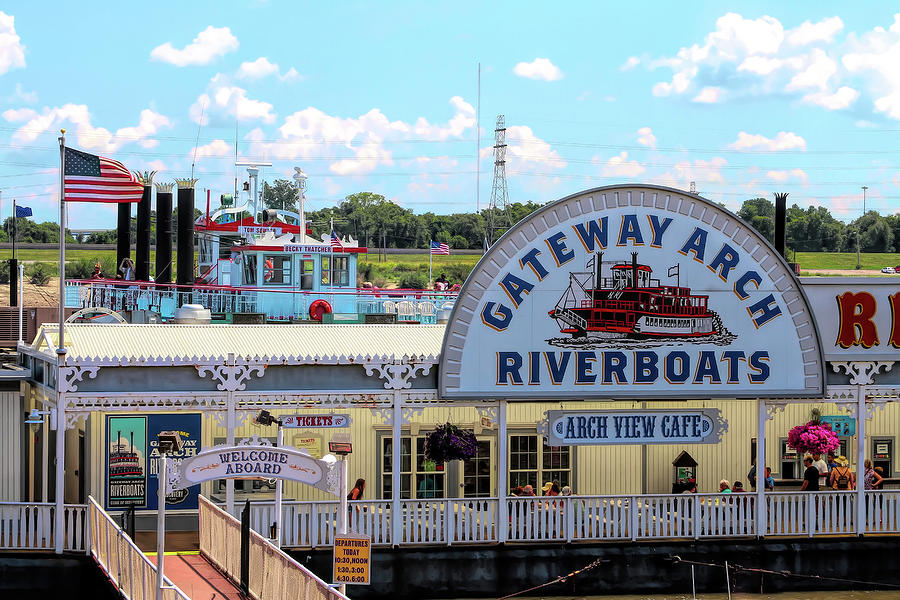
(160, 527)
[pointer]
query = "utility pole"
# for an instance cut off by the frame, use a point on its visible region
(864, 188)
(499, 192)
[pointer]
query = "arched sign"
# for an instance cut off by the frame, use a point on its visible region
(631, 291)
(244, 461)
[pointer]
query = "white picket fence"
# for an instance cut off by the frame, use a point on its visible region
(584, 518)
(30, 526)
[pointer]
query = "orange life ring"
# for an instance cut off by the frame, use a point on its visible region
(318, 309)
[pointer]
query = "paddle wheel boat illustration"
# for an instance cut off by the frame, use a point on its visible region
(124, 462)
(630, 304)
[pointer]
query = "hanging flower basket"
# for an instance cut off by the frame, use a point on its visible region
(449, 442)
(813, 438)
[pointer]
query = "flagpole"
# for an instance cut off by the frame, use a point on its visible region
(59, 526)
(430, 257)
(15, 228)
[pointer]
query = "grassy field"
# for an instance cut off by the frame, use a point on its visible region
(413, 268)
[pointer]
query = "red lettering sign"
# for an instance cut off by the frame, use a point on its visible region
(895, 320)
(855, 313)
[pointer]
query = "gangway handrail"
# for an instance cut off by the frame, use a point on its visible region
(120, 564)
(217, 528)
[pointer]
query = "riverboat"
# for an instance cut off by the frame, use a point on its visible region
(631, 304)
(124, 462)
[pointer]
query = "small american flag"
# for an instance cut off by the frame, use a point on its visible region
(440, 248)
(335, 242)
(91, 178)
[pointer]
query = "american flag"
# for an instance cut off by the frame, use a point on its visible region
(335, 242)
(92, 178)
(440, 248)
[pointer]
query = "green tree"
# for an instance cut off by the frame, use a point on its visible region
(759, 213)
(281, 194)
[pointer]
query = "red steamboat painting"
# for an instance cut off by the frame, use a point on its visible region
(631, 304)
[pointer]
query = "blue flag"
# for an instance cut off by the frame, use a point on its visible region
(22, 211)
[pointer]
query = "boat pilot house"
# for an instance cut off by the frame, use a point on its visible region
(615, 346)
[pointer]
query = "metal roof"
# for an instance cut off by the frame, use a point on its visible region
(118, 344)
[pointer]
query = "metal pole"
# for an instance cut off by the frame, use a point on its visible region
(478, 146)
(59, 517)
(860, 459)
(160, 526)
(396, 441)
(21, 299)
(727, 575)
(761, 517)
(502, 474)
(278, 488)
(344, 507)
(45, 457)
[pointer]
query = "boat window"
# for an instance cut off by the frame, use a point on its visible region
(307, 267)
(340, 270)
(326, 270)
(205, 250)
(276, 269)
(249, 273)
(419, 478)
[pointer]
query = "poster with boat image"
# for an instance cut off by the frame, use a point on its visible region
(631, 291)
(132, 464)
(126, 462)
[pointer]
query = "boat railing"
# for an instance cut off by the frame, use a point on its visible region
(277, 304)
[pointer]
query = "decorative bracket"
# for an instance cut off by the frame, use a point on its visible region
(408, 412)
(240, 417)
(69, 376)
(773, 407)
(862, 372)
(72, 419)
(385, 413)
(397, 375)
(231, 378)
(254, 440)
(489, 412)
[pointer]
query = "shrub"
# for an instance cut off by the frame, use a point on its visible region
(39, 274)
(413, 281)
(84, 268)
(4, 272)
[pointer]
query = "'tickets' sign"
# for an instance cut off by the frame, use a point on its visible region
(631, 291)
(316, 421)
(576, 428)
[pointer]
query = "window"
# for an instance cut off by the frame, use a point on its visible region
(428, 477)
(532, 462)
(307, 266)
(340, 270)
(326, 270)
(249, 272)
(277, 270)
(477, 472)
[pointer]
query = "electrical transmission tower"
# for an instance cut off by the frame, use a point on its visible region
(498, 211)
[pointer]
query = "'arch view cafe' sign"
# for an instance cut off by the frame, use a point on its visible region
(631, 291)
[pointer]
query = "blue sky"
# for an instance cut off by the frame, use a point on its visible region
(745, 99)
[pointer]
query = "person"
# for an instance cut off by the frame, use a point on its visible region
(268, 269)
(751, 474)
(880, 472)
(770, 481)
(97, 274)
(555, 487)
(127, 269)
(871, 478)
(517, 491)
(820, 464)
(441, 283)
(691, 486)
(724, 487)
(810, 476)
(427, 487)
(738, 487)
(548, 489)
(842, 478)
(565, 491)
(358, 488)
(830, 461)
(528, 490)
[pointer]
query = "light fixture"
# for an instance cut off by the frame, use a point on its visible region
(246, 186)
(340, 444)
(265, 418)
(36, 417)
(169, 442)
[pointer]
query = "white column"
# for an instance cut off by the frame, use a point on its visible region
(21, 297)
(762, 416)
(502, 469)
(160, 526)
(396, 434)
(229, 440)
(344, 508)
(278, 492)
(45, 459)
(860, 459)
(59, 536)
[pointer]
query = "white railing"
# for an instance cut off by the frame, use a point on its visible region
(273, 574)
(30, 526)
(585, 518)
(129, 569)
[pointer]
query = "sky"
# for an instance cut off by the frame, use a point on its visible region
(744, 99)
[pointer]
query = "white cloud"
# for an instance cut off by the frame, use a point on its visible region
(700, 171)
(21, 94)
(12, 51)
(646, 137)
(620, 166)
(710, 95)
(214, 148)
(631, 63)
(14, 115)
(876, 56)
(77, 117)
(863, 124)
(782, 176)
(230, 100)
(815, 74)
(761, 65)
(842, 98)
(539, 68)
(526, 151)
(209, 44)
(782, 141)
(462, 120)
(809, 33)
(262, 67)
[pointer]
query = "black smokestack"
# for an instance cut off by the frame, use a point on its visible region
(142, 248)
(123, 233)
(780, 221)
(185, 271)
(164, 232)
